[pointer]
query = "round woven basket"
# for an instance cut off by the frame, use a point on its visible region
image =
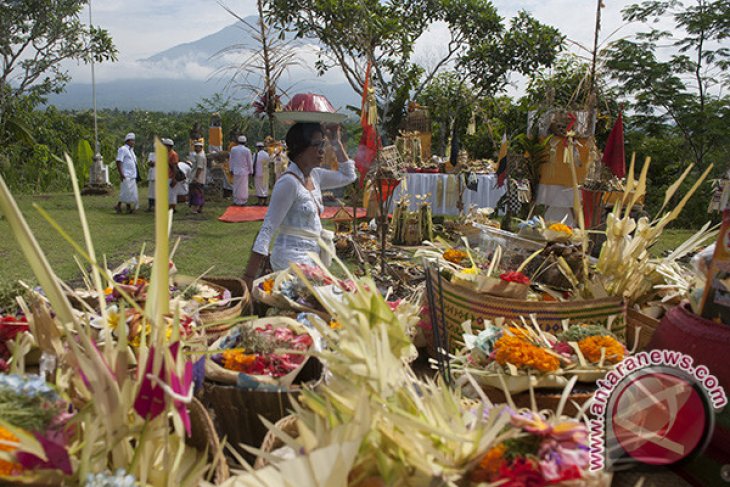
(457, 304)
(269, 299)
(237, 411)
(277, 300)
(215, 372)
(240, 305)
(544, 399)
(204, 436)
(287, 424)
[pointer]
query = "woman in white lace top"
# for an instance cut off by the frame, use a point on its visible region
(296, 201)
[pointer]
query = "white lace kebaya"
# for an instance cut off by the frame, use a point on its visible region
(294, 211)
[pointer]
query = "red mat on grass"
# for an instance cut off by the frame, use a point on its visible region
(238, 214)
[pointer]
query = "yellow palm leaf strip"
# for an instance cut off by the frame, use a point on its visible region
(630, 182)
(674, 187)
(158, 302)
(640, 187)
(34, 255)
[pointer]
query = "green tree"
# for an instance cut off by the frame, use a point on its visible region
(384, 32)
(261, 69)
(450, 101)
(37, 36)
(685, 89)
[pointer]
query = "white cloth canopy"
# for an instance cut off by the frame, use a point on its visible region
(443, 192)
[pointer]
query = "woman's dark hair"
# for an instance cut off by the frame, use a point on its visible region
(299, 138)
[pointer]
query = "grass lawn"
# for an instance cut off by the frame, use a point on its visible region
(205, 242)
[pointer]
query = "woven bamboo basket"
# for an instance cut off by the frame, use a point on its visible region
(544, 398)
(287, 424)
(277, 300)
(269, 299)
(240, 305)
(204, 436)
(461, 304)
(237, 411)
(215, 372)
(646, 326)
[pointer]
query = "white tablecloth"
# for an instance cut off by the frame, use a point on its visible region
(486, 196)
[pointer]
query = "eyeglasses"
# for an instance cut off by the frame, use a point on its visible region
(319, 145)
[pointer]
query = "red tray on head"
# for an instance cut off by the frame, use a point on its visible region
(310, 107)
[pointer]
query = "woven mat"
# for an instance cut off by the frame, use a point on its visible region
(240, 214)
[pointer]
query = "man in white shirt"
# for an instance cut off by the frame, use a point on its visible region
(261, 173)
(241, 165)
(198, 171)
(127, 167)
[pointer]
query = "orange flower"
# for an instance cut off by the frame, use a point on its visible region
(517, 351)
(268, 286)
(591, 347)
(8, 468)
(237, 360)
(561, 227)
(455, 256)
(489, 465)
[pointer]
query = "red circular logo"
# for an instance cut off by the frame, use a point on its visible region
(659, 418)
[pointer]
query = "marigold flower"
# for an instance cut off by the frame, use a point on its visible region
(237, 360)
(8, 468)
(591, 347)
(517, 351)
(267, 286)
(561, 227)
(489, 465)
(455, 256)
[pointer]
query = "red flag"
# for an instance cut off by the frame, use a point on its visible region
(502, 162)
(369, 141)
(614, 157)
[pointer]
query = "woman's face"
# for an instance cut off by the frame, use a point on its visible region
(313, 155)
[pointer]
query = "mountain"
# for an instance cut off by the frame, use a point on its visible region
(177, 78)
(208, 46)
(175, 95)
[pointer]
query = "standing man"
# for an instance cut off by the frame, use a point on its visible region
(241, 166)
(127, 167)
(172, 160)
(197, 180)
(261, 173)
(151, 158)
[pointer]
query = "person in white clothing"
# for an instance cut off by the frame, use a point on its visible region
(127, 167)
(261, 173)
(241, 165)
(151, 158)
(296, 201)
(182, 188)
(199, 168)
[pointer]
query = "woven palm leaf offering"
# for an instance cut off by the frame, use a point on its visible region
(287, 290)
(519, 357)
(567, 284)
(408, 431)
(267, 351)
(132, 424)
(549, 450)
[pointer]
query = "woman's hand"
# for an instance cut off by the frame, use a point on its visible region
(334, 133)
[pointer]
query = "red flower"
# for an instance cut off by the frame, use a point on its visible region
(521, 473)
(514, 276)
(571, 472)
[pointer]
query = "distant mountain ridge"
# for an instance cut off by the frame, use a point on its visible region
(181, 92)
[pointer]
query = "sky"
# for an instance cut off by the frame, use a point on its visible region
(141, 28)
